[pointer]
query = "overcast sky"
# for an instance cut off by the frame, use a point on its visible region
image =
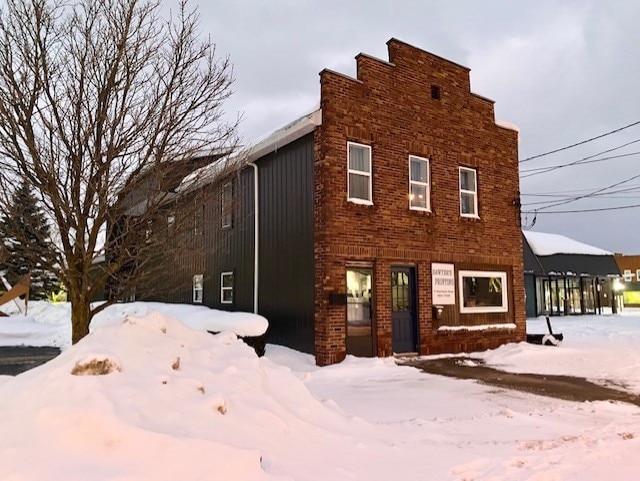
(563, 72)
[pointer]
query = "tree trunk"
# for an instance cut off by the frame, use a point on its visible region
(80, 319)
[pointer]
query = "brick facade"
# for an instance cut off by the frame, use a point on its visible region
(629, 263)
(630, 283)
(390, 107)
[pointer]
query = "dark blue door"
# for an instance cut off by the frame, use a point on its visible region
(404, 325)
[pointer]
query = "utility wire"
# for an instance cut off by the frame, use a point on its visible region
(544, 170)
(581, 210)
(579, 143)
(602, 194)
(571, 191)
(585, 160)
(561, 195)
(591, 194)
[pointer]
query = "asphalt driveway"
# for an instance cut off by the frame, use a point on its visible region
(561, 387)
(17, 359)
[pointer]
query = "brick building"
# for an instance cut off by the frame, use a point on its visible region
(385, 222)
(629, 266)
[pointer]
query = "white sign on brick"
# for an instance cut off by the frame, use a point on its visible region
(443, 284)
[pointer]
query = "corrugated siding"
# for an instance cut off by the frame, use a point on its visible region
(230, 249)
(286, 275)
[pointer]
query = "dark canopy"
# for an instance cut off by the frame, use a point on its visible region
(568, 264)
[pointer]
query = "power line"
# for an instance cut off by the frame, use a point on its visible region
(579, 143)
(629, 189)
(570, 191)
(585, 160)
(609, 195)
(591, 194)
(581, 210)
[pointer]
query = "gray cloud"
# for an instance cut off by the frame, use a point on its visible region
(561, 71)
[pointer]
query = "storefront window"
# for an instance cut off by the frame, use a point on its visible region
(483, 291)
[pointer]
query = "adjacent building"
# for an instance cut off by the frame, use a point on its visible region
(564, 276)
(384, 222)
(629, 266)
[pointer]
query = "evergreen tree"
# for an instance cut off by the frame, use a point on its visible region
(26, 243)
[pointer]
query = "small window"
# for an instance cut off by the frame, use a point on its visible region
(628, 276)
(227, 205)
(198, 222)
(171, 222)
(435, 92)
(638, 275)
(198, 285)
(226, 288)
(468, 192)
(359, 173)
(419, 183)
(483, 291)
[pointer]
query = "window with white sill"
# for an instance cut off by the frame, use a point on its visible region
(419, 191)
(359, 178)
(468, 192)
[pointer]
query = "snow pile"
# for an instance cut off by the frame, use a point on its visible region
(197, 317)
(543, 244)
(49, 324)
(174, 404)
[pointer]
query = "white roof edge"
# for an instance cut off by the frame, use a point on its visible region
(285, 135)
(507, 125)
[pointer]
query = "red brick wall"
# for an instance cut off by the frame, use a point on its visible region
(631, 262)
(389, 107)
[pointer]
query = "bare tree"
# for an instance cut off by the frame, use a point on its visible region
(105, 109)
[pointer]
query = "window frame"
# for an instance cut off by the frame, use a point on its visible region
(637, 275)
(502, 275)
(198, 287)
(473, 193)
(627, 275)
(359, 200)
(226, 206)
(224, 289)
(427, 184)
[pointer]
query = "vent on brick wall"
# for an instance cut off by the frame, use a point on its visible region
(435, 92)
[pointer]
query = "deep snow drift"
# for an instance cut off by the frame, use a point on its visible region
(178, 403)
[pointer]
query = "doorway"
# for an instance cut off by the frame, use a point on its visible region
(404, 323)
(359, 315)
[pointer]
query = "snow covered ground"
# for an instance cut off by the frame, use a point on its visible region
(178, 403)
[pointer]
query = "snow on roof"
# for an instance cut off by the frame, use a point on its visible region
(267, 143)
(543, 244)
(507, 125)
(275, 139)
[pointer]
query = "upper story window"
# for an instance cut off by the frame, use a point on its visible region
(468, 192)
(226, 288)
(198, 288)
(359, 173)
(638, 275)
(628, 276)
(419, 183)
(227, 205)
